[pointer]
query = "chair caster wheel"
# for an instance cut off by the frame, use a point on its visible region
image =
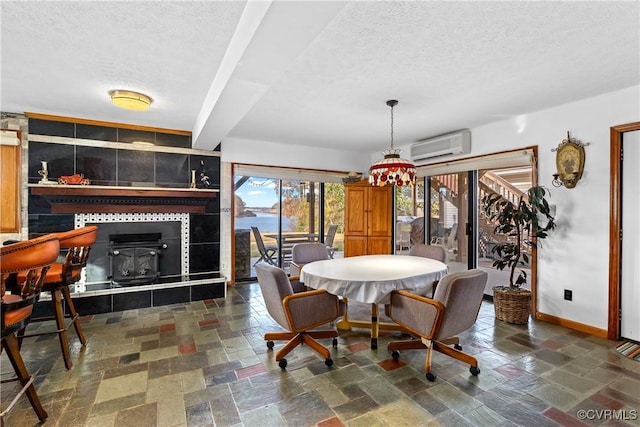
(431, 376)
(270, 345)
(458, 347)
(335, 343)
(395, 354)
(328, 362)
(282, 363)
(474, 371)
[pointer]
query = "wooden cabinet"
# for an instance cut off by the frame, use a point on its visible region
(368, 219)
(10, 191)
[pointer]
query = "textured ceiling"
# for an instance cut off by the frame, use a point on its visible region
(315, 73)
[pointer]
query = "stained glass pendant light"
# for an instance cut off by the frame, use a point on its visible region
(392, 169)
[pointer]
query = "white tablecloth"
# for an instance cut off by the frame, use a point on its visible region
(371, 278)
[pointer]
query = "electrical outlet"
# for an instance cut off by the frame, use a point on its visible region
(568, 295)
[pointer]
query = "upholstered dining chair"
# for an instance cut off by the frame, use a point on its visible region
(438, 321)
(267, 253)
(77, 244)
(300, 314)
(330, 237)
(429, 251)
(304, 253)
(33, 257)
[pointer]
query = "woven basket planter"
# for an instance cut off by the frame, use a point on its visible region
(512, 306)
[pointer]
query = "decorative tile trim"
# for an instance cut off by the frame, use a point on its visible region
(98, 218)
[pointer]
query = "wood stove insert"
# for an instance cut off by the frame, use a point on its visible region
(135, 258)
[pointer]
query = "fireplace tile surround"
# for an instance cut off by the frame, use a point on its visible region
(105, 155)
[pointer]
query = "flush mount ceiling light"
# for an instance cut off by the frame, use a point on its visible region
(392, 170)
(130, 100)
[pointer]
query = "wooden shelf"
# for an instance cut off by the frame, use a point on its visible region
(99, 199)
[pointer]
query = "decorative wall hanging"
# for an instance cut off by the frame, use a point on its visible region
(570, 159)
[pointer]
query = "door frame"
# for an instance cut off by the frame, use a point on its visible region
(615, 227)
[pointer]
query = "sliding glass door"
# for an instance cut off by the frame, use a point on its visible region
(256, 218)
(510, 183)
(456, 219)
(409, 208)
(272, 214)
(299, 216)
(449, 209)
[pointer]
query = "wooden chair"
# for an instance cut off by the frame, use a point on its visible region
(77, 244)
(33, 257)
(267, 253)
(437, 321)
(298, 313)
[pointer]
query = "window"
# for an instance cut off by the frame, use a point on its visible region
(285, 206)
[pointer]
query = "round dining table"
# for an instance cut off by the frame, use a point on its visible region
(371, 279)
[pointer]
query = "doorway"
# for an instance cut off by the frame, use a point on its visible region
(619, 269)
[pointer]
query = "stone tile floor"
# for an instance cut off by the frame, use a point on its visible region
(206, 363)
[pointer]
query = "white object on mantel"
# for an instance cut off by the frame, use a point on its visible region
(9, 137)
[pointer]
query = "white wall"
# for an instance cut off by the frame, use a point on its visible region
(576, 256)
(236, 150)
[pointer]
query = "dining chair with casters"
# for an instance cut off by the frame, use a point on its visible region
(300, 314)
(304, 253)
(430, 251)
(436, 322)
(301, 254)
(33, 257)
(77, 244)
(328, 240)
(267, 252)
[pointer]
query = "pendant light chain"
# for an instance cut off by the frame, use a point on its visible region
(392, 127)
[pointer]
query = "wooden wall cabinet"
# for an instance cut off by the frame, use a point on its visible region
(368, 219)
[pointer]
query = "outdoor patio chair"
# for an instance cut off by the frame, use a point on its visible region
(267, 253)
(328, 241)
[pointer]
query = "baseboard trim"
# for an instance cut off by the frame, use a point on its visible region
(581, 327)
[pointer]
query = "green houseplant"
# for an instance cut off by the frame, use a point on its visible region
(522, 223)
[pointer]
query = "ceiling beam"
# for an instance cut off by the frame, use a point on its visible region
(268, 39)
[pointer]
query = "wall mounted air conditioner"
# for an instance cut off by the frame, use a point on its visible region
(443, 145)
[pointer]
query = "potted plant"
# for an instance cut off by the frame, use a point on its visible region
(523, 223)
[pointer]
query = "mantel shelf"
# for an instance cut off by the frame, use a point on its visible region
(97, 198)
(106, 191)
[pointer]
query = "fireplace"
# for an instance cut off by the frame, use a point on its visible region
(135, 258)
(173, 230)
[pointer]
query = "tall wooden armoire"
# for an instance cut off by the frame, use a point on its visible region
(368, 219)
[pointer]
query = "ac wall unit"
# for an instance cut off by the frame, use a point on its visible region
(443, 145)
